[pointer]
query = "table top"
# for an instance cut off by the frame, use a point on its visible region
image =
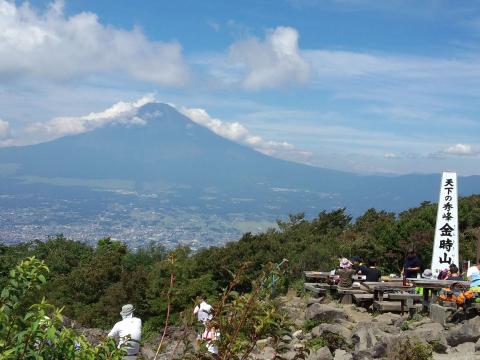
(392, 279)
(436, 284)
(374, 285)
(317, 274)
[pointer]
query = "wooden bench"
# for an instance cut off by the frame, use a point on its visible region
(405, 299)
(346, 295)
(387, 306)
(363, 300)
(319, 285)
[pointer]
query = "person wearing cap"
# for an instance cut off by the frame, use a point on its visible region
(345, 273)
(204, 312)
(128, 332)
(427, 274)
(412, 265)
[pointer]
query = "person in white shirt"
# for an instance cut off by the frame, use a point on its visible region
(128, 332)
(203, 311)
(473, 270)
(211, 336)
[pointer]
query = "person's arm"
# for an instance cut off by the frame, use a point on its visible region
(195, 310)
(114, 332)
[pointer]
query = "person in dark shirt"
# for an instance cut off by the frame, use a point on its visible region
(371, 272)
(358, 265)
(453, 273)
(412, 265)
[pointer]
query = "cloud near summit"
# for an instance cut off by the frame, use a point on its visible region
(120, 113)
(52, 46)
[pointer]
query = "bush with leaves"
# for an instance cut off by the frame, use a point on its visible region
(31, 330)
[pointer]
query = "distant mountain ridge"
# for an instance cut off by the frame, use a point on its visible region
(172, 149)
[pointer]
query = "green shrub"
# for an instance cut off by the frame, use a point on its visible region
(411, 349)
(35, 331)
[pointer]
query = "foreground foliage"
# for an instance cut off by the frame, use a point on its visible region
(30, 330)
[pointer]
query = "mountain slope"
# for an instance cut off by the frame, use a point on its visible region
(173, 150)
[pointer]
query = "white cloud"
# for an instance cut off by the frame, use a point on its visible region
(390, 155)
(239, 133)
(120, 113)
(4, 129)
(272, 62)
(461, 150)
(52, 46)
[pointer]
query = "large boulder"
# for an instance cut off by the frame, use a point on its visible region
(342, 355)
(469, 331)
(325, 313)
(364, 337)
(387, 318)
(466, 349)
(321, 354)
(268, 353)
(432, 333)
(336, 329)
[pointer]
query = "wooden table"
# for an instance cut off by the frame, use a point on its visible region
(405, 297)
(378, 288)
(433, 285)
(392, 279)
(318, 275)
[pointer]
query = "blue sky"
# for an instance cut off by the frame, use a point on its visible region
(360, 85)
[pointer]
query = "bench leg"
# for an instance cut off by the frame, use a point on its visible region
(346, 299)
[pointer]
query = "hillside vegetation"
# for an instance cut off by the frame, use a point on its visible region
(93, 283)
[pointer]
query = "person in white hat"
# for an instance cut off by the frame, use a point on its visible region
(128, 332)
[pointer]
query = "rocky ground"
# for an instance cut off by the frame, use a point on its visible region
(330, 331)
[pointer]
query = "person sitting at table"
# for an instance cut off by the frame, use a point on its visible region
(453, 273)
(412, 265)
(475, 269)
(427, 274)
(357, 264)
(371, 272)
(345, 273)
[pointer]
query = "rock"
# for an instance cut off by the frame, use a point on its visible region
(334, 329)
(387, 318)
(298, 334)
(362, 355)
(325, 313)
(462, 349)
(423, 320)
(342, 355)
(286, 338)
(432, 333)
(262, 343)
(298, 346)
(312, 301)
(364, 337)
(440, 314)
(386, 343)
(477, 345)
(469, 331)
(321, 354)
(268, 353)
(289, 355)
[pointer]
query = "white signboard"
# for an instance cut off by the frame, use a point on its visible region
(445, 246)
